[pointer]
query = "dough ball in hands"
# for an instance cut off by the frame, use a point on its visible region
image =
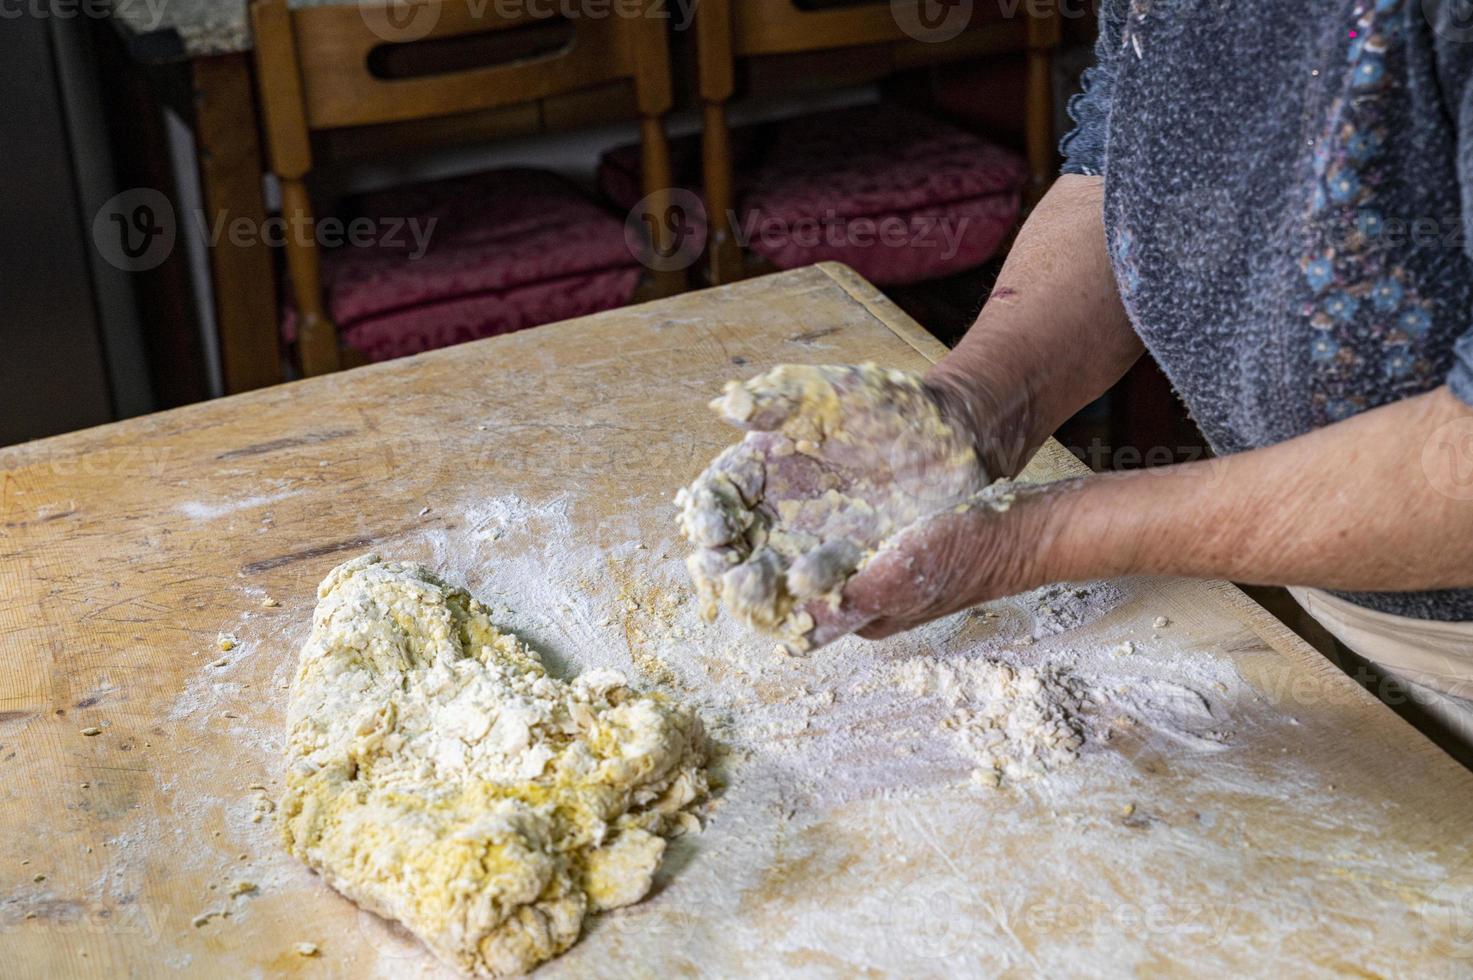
(835, 461)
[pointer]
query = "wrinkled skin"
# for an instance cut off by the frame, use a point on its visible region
(942, 564)
(837, 462)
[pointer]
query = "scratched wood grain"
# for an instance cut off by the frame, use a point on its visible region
(126, 549)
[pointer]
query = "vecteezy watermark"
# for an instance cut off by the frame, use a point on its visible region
(409, 235)
(152, 11)
(936, 21)
(943, 233)
(945, 907)
(1101, 456)
(1198, 230)
(666, 231)
(137, 230)
(933, 21)
(405, 21)
(1450, 19)
(1446, 915)
(1447, 459)
(1207, 923)
(69, 919)
(400, 21)
(388, 938)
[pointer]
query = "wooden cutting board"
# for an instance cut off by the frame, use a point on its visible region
(1255, 812)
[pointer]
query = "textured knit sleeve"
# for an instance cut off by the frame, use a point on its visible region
(1083, 148)
(1453, 42)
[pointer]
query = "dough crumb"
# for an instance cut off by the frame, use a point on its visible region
(227, 642)
(305, 949)
(1160, 623)
(91, 730)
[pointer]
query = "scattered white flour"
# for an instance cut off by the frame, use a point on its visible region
(1027, 689)
(202, 511)
(1014, 722)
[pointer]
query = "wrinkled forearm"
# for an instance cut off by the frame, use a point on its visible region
(1379, 502)
(1052, 337)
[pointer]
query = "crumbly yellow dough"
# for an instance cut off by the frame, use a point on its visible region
(438, 776)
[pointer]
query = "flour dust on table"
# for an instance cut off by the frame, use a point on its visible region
(438, 776)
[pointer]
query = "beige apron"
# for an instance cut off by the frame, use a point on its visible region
(1433, 660)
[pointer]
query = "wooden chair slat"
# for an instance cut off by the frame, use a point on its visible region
(320, 76)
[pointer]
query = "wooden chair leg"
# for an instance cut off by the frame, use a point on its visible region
(659, 179)
(1043, 40)
(724, 254)
(317, 337)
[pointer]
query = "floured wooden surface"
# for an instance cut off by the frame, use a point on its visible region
(1250, 811)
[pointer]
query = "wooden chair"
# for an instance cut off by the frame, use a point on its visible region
(334, 69)
(728, 30)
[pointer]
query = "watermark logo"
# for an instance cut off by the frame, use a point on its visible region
(405, 21)
(945, 905)
(943, 234)
(388, 938)
(134, 231)
(138, 229)
(144, 15)
(666, 231)
(1197, 230)
(1451, 20)
(1445, 916)
(932, 21)
(400, 21)
(1447, 459)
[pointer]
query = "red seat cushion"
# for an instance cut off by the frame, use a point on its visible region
(946, 198)
(507, 250)
(898, 195)
(621, 170)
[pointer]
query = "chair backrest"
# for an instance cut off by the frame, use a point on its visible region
(363, 64)
(783, 26)
(896, 35)
(772, 27)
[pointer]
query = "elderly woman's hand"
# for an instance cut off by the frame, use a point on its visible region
(980, 550)
(837, 462)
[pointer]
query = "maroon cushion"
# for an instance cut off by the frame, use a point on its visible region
(412, 329)
(898, 195)
(621, 170)
(508, 249)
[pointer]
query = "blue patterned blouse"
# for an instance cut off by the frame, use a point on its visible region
(1288, 190)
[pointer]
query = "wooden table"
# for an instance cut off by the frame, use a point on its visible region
(1316, 834)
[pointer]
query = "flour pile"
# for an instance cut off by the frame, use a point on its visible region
(1014, 723)
(440, 777)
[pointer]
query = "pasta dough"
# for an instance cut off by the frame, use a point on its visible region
(836, 461)
(438, 776)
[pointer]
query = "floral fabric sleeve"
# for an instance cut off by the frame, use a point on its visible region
(1083, 148)
(1454, 51)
